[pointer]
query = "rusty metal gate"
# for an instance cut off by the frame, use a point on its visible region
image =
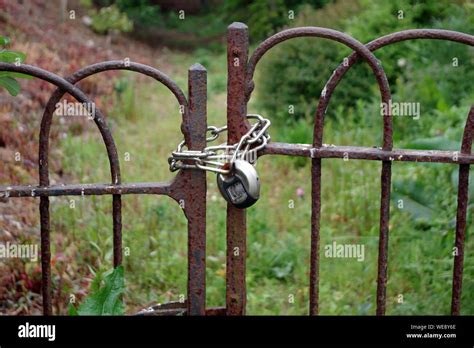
(189, 185)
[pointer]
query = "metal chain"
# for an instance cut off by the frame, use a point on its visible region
(212, 160)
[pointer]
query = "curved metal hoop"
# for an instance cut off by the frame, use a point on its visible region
(384, 88)
(334, 35)
(82, 74)
(44, 201)
(46, 128)
(413, 34)
(67, 86)
(466, 148)
(387, 145)
(81, 97)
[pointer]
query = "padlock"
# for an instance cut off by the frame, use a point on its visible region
(241, 187)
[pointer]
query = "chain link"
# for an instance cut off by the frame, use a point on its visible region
(214, 158)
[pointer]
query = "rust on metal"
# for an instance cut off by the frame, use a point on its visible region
(195, 202)
(87, 189)
(385, 154)
(44, 204)
(368, 153)
(45, 257)
(437, 156)
(188, 187)
(382, 81)
(315, 236)
(237, 125)
(115, 168)
(334, 35)
(461, 217)
(373, 46)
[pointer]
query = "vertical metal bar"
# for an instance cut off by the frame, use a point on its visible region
(117, 228)
(45, 256)
(386, 178)
(386, 183)
(461, 218)
(195, 204)
(43, 158)
(316, 164)
(463, 194)
(315, 233)
(237, 56)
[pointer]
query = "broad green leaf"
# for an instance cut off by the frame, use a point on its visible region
(416, 189)
(15, 74)
(437, 143)
(417, 199)
(72, 310)
(97, 281)
(106, 300)
(12, 56)
(418, 211)
(4, 41)
(12, 86)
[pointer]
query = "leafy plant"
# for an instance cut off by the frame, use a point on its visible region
(297, 70)
(431, 72)
(7, 78)
(264, 17)
(106, 295)
(109, 19)
(141, 12)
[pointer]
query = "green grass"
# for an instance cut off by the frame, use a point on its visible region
(145, 124)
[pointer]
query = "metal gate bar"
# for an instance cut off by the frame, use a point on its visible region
(188, 188)
(237, 126)
(382, 81)
(385, 154)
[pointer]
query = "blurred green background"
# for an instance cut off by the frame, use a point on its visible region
(145, 121)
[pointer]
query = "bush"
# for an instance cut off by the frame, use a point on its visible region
(264, 17)
(109, 19)
(297, 70)
(141, 12)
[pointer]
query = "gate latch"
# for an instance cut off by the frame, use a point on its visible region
(237, 177)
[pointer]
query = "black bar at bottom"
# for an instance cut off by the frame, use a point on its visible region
(413, 330)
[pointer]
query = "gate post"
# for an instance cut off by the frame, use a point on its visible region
(195, 125)
(237, 57)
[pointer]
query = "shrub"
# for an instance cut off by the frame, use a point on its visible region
(109, 19)
(297, 70)
(141, 12)
(264, 17)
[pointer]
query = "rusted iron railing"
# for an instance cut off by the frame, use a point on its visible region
(241, 85)
(189, 186)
